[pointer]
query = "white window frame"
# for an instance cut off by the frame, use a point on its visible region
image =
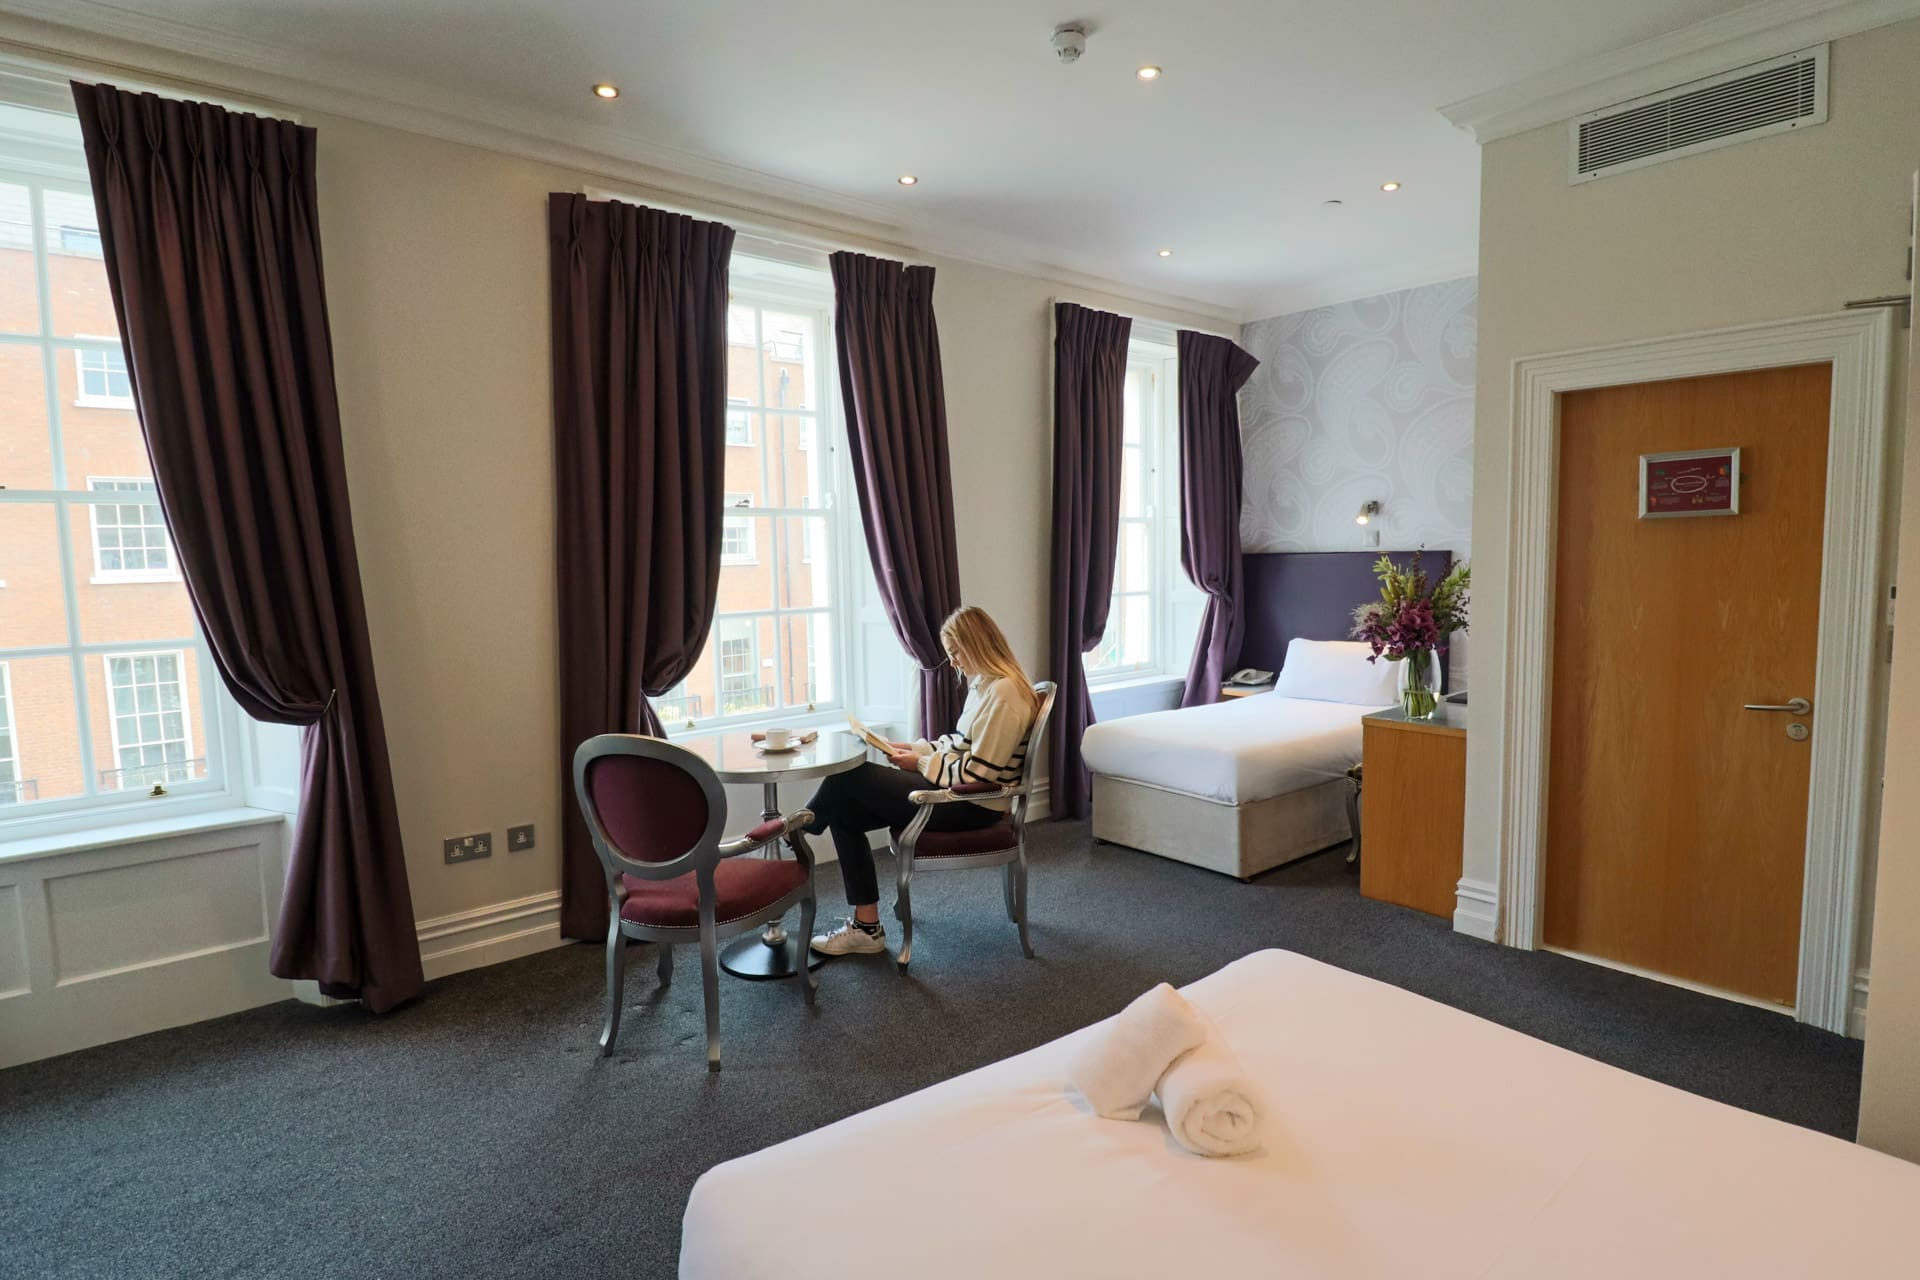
(179, 657)
(740, 411)
(1169, 650)
(103, 576)
(84, 399)
(91, 809)
(744, 525)
(12, 759)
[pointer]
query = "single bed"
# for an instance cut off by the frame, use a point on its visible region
(1249, 784)
(1404, 1138)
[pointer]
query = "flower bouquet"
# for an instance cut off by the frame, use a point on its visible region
(1411, 621)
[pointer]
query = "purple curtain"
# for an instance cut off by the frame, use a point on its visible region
(1212, 371)
(1089, 386)
(639, 445)
(897, 426)
(211, 238)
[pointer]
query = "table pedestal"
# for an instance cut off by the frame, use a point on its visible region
(770, 953)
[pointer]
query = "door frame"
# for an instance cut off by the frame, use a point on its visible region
(1859, 346)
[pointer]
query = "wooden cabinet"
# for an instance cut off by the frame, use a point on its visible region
(1413, 808)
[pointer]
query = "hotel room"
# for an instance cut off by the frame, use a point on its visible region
(1366, 535)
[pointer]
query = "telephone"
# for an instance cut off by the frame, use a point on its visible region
(1250, 675)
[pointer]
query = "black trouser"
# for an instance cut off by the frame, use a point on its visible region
(860, 800)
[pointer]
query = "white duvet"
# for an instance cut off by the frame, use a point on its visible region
(1233, 752)
(1402, 1138)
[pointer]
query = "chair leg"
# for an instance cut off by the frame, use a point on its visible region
(803, 948)
(710, 985)
(1006, 882)
(1020, 900)
(666, 963)
(616, 984)
(903, 912)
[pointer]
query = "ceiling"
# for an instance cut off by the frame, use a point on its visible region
(1267, 109)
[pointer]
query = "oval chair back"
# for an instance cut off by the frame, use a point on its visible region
(655, 810)
(1046, 691)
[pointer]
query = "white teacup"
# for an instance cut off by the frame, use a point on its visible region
(778, 738)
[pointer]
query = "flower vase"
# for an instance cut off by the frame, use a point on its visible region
(1420, 694)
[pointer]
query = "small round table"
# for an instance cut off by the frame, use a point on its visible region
(735, 758)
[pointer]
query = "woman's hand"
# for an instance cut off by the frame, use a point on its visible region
(905, 760)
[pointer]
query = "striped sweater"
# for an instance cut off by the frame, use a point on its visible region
(989, 743)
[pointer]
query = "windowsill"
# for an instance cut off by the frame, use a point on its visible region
(108, 578)
(124, 833)
(1133, 680)
(104, 402)
(731, 561)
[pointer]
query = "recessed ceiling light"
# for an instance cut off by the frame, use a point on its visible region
(605, 91)
(908, 180)
(1389, 186)
(1166, 253)
(1148, 73)
(1331, 204)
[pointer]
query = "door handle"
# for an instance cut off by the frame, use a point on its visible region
(1797, 706)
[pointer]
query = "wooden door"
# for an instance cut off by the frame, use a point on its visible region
(1676, 820)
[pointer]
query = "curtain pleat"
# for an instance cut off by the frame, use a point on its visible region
(1212, 371)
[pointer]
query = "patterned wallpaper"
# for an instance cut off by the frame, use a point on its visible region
(1367, 400)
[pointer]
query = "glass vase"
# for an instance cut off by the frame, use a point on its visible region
(1420, 694)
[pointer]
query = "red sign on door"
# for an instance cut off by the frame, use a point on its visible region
(1693, 483)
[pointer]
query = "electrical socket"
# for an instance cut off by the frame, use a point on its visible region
(468, 848)
(520, 838)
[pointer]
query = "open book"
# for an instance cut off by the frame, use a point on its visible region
(868, 736)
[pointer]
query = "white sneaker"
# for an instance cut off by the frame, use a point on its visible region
(851, 940)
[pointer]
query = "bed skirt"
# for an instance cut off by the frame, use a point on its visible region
(1238, 840)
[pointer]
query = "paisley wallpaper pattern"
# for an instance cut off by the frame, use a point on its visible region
(1361, 401)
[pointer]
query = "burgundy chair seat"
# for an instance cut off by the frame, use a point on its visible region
(998, 838)
(741, 887)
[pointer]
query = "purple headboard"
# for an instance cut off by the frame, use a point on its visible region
(1311, 594)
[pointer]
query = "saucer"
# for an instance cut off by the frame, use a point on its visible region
(789, 749)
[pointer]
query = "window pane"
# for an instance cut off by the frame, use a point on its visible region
(1133, 482)
(1132, 400)
(743, 661)
(133, 594)
(1134, 570)
(100, 434)
(26, 444)
(796, 463)
(19, 295)
(743, 377)
(135, 743)
(743, 475)
(807, 655)
(76, 275)
(800, 547)
(746, 562)
(44, 731)
(1136, 630)
(33, 605)
(792, 367)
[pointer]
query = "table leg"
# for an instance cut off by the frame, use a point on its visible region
(771, 954)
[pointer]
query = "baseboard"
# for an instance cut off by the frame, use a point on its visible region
(1857, 1010)
(1476, 910)
(490, 935)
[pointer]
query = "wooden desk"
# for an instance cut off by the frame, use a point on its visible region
(1413, 807)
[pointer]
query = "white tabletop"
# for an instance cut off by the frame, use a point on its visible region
(736, 758)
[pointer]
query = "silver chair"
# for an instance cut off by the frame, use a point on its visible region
(1004, 844)
(656, 812)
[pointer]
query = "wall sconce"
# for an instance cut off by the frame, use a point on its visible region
(1368, 510)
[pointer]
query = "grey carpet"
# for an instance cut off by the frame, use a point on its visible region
(478, 1134)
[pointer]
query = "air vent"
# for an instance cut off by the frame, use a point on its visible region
(1775, 96)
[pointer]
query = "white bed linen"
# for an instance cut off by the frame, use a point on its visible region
(1404, 1138)
(1236, 752)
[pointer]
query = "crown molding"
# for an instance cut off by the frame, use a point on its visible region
(88, 37)
(1750, 34)
(1328, 291)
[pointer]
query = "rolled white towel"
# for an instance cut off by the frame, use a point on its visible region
(1212, 1106)
(1118, 1070)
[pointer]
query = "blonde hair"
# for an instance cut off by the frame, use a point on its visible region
(971, 632)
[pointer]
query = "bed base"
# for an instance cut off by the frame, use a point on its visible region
(1236, 840)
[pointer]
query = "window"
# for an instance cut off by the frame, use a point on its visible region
(101, 374)
(1151, 621)
(13, 787)
(739, 423)
(738, 644)
(103, 687)
(736, 532)
(152, 741)
(130, 541)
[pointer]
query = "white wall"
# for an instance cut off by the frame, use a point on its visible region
(1787, 226)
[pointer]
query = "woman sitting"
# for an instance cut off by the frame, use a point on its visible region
(989, 745)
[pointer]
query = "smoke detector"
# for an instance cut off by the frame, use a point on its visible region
(1069, 42)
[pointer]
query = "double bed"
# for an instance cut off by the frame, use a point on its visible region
(1245, 785)
(1403, 1138)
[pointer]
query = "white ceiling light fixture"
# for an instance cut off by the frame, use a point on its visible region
(1069, 42)
(607, 91)
(908, 180)
(1148, 73)
(1331, 204)
(1166, 253)
(1389, 186)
